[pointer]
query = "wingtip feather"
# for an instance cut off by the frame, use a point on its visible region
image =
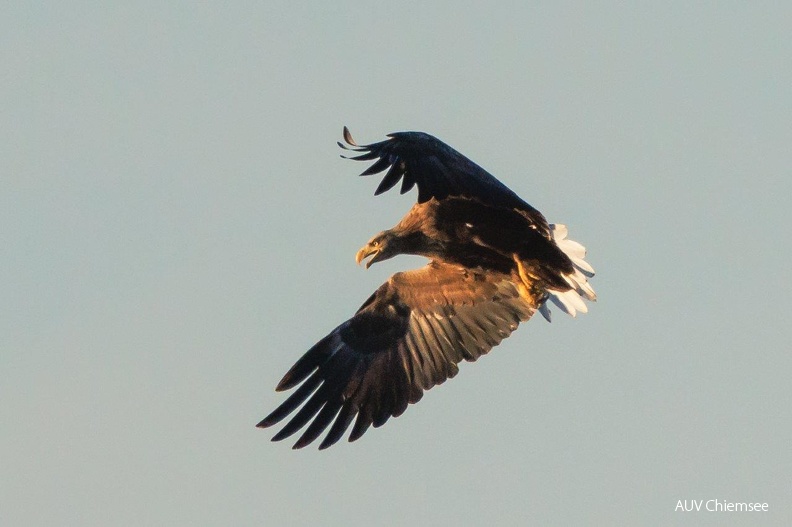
(300, 444)
(286, 383)
(348, 137)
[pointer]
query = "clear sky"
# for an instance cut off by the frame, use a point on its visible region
(177, 228)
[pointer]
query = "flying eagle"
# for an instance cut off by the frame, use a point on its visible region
(494, 261)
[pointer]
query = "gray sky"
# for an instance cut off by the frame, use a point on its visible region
(177, 228)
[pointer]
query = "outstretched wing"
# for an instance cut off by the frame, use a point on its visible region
(408, 336)
(439, 171)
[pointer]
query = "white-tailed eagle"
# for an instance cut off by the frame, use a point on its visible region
(494, 261)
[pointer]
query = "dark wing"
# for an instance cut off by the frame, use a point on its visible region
(438, 170)
(407, 337)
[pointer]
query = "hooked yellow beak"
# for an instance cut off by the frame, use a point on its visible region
(365, 252)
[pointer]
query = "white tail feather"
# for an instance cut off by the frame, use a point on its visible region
(571, 301)
(560, 300)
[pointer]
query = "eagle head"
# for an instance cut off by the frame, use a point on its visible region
(381, 247)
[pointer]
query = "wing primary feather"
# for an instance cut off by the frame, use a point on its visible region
(306, 413)
(294, 400)
(439, 187)
(429, 187)
(337, 379)
(313, 358)
(368, 156)
(349, 149)
(408, 181)
(367, 394)
(387, 396)
(387, 400)
(376, 168)
(348, 137)
(335, 376)
(341, 424)
(380, 419)
(402, 397)
(416, 393)
(325, 417)
(362, 423)
(389, 181)
(400, 383)
(355, 378)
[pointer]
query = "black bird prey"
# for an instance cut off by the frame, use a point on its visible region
(493, 262)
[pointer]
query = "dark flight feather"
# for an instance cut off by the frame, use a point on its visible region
(359, 369)
(439, 171)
